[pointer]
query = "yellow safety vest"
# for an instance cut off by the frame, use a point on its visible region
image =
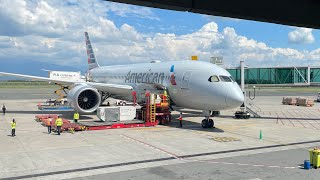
(13, 125)
(76, 116)
(59, 122)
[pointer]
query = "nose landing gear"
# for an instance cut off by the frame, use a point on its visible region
(207, 123)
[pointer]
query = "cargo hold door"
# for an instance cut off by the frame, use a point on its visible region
(185, 80)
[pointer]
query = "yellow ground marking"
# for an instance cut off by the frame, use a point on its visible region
(225, 139)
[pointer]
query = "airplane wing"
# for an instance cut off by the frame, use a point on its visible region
(111, 88)
(37, 78)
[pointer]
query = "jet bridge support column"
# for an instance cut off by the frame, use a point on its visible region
(243, 106)
(242, 75)
(243, 113)
(308, 73)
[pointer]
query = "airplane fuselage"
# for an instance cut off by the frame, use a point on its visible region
(187, 82)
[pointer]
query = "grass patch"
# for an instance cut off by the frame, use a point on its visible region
(26, 84)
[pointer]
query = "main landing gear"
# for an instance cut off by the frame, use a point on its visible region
(207, 123)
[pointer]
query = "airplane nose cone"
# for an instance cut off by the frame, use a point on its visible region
(235, 98)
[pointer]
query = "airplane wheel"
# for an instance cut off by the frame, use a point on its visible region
(204, 123)
(210, 123)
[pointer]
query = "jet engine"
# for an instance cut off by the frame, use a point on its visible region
(84, 98)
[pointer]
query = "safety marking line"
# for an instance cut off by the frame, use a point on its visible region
(248, 149)
(253, 165)
(299, 115)
(157, 160)
(307, 114)
(151, 146)
(296, 119)
(87, 168)
(287, 118)
(242, 164)
(279, 119)
(225, 163)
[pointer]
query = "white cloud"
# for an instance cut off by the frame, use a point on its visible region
(125, 10)
(52, 31)
(301, 35)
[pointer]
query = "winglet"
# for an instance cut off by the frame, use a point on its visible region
(92, 62)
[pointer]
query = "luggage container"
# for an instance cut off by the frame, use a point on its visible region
(127, 113)
(116, 113)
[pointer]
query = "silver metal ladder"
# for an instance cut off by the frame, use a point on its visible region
(252, 108)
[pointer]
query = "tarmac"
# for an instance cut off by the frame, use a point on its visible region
(232, 150)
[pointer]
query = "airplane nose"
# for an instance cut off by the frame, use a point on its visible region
(235, 98)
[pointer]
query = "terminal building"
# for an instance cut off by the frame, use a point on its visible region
(279, 76)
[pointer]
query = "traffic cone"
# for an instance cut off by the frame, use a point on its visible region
(260, 134)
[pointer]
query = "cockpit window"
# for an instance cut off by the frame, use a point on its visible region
(225, 79)
(213, 78)
(232, 78)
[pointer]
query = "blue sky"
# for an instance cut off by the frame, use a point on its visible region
(180, 23)
(50, 33)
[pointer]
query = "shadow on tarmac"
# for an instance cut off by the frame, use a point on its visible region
(38, 112)
(174, 123)
(190, 124)
(65, 114)
(280, 118)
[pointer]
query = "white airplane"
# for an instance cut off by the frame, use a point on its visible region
(190, 84)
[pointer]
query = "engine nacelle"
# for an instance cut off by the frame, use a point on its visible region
(84, 98)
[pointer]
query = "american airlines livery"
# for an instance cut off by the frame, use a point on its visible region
(190, 84)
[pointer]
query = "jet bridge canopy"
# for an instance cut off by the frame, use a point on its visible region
(304, 75)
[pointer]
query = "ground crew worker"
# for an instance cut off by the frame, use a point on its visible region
(180, 119)
(49, 125)
(76, 117)
(59, 123)
(13, 128)
(4, 108)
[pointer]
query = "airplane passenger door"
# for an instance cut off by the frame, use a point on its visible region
(185, 80)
